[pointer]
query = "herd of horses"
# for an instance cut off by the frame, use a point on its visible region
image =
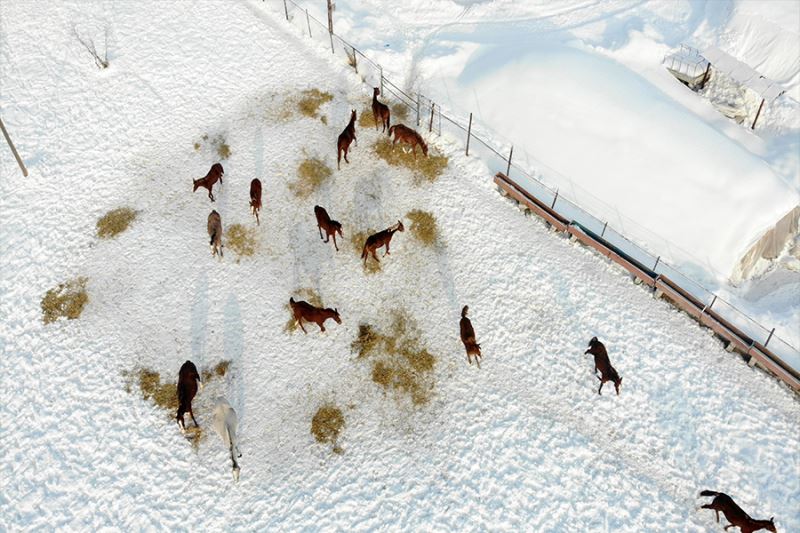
(224, 416)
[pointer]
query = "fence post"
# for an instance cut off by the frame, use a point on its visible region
(355, 60)
(508, 168)
(381, 69)
(13, 150)
(757, 114)
(330, 16)
(469, 131)
(714, 299)
(286, 10)
(769, 338)
(331, 34)
(440, 120)
(553, 205)
(309, 25)
(417, 109)
(604, 229)
(657, 260)
(430, 124)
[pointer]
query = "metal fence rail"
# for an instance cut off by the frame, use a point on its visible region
(565, 201)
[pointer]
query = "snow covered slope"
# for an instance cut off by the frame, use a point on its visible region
(525, 443)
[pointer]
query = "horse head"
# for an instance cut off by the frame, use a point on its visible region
(336, 316)
(399, 226)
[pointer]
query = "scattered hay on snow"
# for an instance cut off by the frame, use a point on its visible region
(65, 301)
(311, 174)
(423, 226)
(327, 424)
(399, 362)
(218, 144)
(115, 222)
(241, 239)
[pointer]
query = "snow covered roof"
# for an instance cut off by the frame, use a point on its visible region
(742, 73)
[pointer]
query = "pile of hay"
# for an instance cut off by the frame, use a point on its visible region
(115, 222)
(425, 169)
(218, 144)
(327, 424)
(241, 239)
(65, 301)
(423, 226)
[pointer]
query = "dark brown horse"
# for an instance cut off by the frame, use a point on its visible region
(345, 138)
(305, 311)
(188, 379)
(210, 179)
(735, 514)
(255, 197)
(214, 226)
(603, 364)
(376, 240)
(331, 227)
(379, 111)
(468, 338)
(406, 135)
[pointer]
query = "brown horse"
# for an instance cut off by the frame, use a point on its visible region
(210, 179)
(345, 138)
(255, 197)
(376, 240)
(735, 514)
(406, 135)
(603, 364)
(379, 111)
(188, 379)
(305, 311)
(468, 338)
(331, 227)
(215, 232)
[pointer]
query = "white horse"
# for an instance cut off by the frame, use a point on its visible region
(225, 424)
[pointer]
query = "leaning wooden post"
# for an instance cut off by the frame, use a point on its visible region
(469, 131)
(553, 205)
(769, 338)
(330, 23)
(381, 69)
(705, 76)
(286, 10)
(417, 109)
(508, 168)
(657, 260)
(13, 150)
(604, 229)
(308, 21)
(757, 114)
(430, 124)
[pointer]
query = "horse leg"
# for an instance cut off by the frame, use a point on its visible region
(193, 420)
(376, 120)
(387, 249)
(345, 155)
(414, 151)
(375, 256)
(319, 228)
(601, 387)
(210, 195)
(300, 323)
(334, 241)
(338, 159)
(321, 325)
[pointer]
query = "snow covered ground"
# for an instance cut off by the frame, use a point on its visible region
(525, 443)
(579, 90)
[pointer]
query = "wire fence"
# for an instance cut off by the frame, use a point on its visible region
(567, 198)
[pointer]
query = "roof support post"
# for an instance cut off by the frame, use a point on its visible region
(757, 114)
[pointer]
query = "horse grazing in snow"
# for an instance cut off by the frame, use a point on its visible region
(226, 423)
(406, 135)
(303, 310)
(214, 226)
(331, 227)
(603, 364)
(255, 197)
(379, 111)
(468, 338)
(188, 380)
(345, 138)
(376, 240)
(735, 514)
(210, 179)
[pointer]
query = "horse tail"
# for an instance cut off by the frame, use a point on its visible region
(388, 120)
(391, 129)
(709, 493)
(464, 311)
(364, 252)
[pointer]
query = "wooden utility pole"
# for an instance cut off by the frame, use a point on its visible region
(469, 132)
(13, 150)
(430, 124)
(330, 16)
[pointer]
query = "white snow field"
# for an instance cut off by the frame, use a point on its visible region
(523, 444)
(579, 90)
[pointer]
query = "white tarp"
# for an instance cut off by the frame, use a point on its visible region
(743, 74)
